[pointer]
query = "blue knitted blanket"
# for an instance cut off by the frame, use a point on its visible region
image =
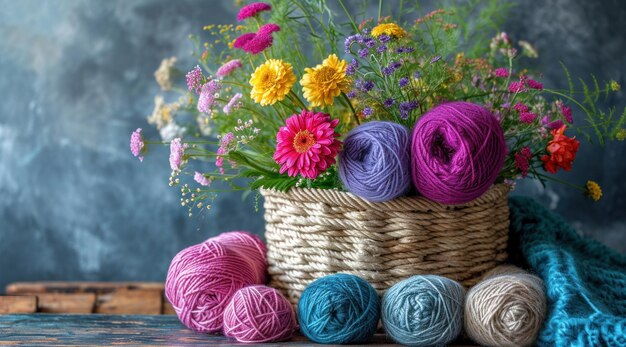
(585, 281)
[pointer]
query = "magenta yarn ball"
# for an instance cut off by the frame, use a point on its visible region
(457, 152)
(202, 278)
(258, 314)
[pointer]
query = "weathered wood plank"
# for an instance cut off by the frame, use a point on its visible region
(125, 301)
(78, 287)
(66, 303)
(107, 330)
(18, 304)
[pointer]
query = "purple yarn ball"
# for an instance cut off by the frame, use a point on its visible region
(375, 161)
(457, 152)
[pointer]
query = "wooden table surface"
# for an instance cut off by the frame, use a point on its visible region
(116, 330)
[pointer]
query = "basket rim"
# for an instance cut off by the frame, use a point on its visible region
(406, 203)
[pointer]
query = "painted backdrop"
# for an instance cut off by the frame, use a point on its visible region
(76, 77)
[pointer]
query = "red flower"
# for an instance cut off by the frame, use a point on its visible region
(517, 87)
(307, 144)
(534, 84)
(522, 160)
(256, 43)
(252, 10)
(562, 151)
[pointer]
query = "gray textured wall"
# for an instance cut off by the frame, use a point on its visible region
(76, 78)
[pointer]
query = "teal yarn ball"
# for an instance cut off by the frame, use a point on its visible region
(424, 310)
(339, 309)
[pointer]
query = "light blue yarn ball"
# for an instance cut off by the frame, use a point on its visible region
(424, 310)
(339, 309)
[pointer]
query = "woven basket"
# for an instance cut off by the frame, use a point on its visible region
(311, 233)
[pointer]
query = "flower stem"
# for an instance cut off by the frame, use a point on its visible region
(558, 180)
(297, 99)
(356, 118)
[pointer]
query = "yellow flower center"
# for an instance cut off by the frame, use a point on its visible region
(303, 141)
(325, 74)
(267, 79)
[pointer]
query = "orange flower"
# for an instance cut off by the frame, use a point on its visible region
(562, 151)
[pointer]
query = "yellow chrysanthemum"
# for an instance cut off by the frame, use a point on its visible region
(593, 190)
(390, 29)
(321, 84)
(271, 81)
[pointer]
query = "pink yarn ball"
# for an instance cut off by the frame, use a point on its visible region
(457, 152)
(202, 278)
(259, 314)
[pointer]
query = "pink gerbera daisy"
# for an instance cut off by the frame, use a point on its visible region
(307, 144)
(252, 10)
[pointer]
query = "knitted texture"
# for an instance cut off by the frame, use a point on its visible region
(585, 281)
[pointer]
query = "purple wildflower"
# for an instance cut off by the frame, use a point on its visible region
(201, 179)
(225, 147)
(406, 107)
(389, 102)
(370, 42)
(137, 144)
(404, 49)
(351, 69)
(207, 96)
(351, 94)
(194, 79)
(435, 59)
(363, 52)
(228, 68)
(403, 82)
(367, 86)
(417, 75)
(364, 85)
(384, 38)
(381, 49)
(367, 112)
(234, 102)
(349, 41)
(177, 151)
(386, 71)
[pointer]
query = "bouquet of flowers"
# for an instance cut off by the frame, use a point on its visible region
(423, 104)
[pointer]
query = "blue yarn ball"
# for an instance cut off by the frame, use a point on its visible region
(339, 309)
(375, 162)
(424, 310)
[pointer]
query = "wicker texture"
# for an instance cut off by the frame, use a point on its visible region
(311, 233)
